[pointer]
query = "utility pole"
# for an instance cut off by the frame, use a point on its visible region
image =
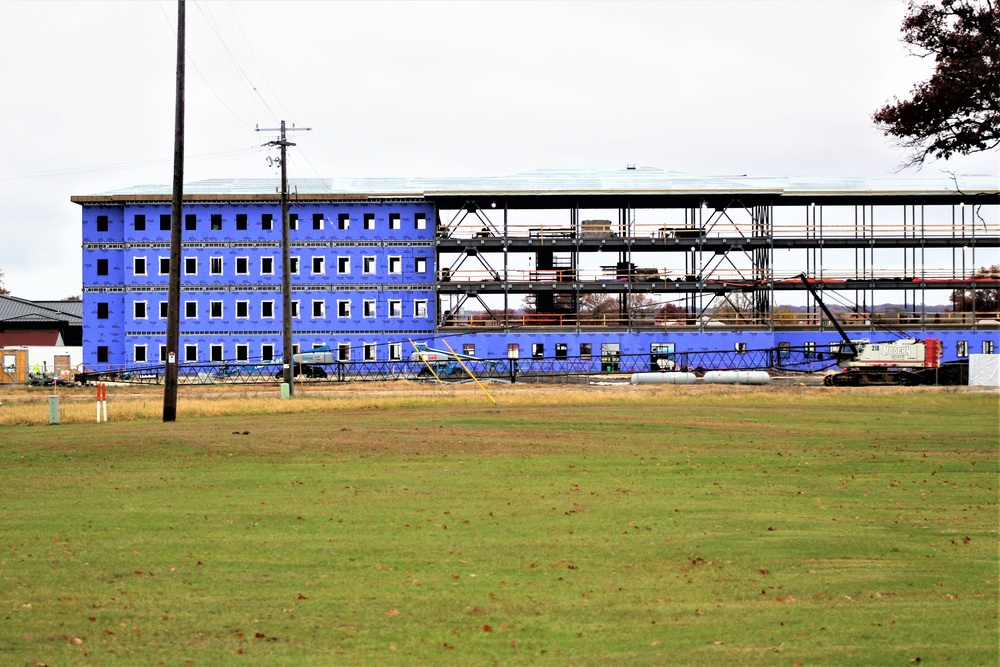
(286, 259)
(174, 280)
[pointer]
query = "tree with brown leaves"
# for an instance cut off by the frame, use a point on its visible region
(957, 110)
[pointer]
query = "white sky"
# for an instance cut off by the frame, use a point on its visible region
(420, 89)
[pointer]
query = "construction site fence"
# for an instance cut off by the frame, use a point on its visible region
(789, 360)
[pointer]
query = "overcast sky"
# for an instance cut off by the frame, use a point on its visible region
(431, 89)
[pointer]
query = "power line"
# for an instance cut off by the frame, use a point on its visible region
(72, 171)
(203, 78)
(257, 64)
(244, 77)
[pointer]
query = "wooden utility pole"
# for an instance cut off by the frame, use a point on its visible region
(288, 372)
(176, 215)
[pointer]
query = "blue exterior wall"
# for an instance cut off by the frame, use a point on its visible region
(229, 274)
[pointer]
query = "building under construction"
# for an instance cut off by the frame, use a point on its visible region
(571, 263)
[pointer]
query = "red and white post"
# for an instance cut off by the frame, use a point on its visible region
(102, 402)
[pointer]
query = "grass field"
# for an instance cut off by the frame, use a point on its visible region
(575, 526)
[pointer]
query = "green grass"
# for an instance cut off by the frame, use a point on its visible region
(768, 527)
